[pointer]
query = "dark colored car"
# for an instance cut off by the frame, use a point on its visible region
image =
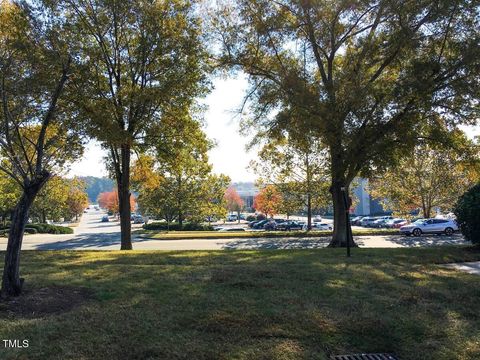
(289, 225)
(356, 220)
(259, 224)
(270, 225)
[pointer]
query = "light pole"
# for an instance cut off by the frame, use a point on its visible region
(347, 217)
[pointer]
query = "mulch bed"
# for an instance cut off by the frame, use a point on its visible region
(44, 301)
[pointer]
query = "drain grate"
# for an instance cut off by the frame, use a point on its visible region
(365, 357)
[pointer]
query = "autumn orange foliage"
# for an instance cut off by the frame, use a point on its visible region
(268, 201)
(109, 200)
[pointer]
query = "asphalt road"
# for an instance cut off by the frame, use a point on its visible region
(92, 234)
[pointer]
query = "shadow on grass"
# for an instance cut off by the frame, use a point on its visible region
(257, 305)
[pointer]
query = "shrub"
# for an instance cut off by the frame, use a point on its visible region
(261, 217)
(467, 210)
(50, 229)
(41, 229)
(176, 227)
(251, 218)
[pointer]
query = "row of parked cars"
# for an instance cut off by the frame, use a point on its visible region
(416, 227)
(288, 225)
(387, 222)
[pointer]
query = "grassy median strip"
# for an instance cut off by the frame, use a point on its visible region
(295, 304)
(179, 235)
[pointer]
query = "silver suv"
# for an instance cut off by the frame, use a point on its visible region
(430, 226)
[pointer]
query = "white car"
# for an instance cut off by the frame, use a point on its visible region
(430, 226)
(319, 226)
(232, 217)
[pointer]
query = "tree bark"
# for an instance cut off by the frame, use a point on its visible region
(123, 183)
(339, 238)
(11, 281)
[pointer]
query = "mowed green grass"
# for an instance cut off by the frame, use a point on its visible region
(284, 304)
(179, 235)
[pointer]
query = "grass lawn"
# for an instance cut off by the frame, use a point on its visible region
(178, 235)
(289, 304)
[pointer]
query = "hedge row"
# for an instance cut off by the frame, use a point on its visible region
(41, 229)
(176, 227)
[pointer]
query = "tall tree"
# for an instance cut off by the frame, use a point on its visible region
(268, 201)
(427, 179)
(109, 200)
(233, 201)
(175, 176)
(298, 165)
(36, 138)
(141, 60)
(77, 199)
(368, 77)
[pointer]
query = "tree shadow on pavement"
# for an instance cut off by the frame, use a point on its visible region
(87, 241)
(272, 243)
(426, 240)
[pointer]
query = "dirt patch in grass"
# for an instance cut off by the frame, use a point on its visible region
(44, 301)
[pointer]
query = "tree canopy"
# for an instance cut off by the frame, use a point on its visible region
(140, 61)
(369, 78)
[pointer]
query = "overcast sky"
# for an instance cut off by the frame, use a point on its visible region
(222, 125)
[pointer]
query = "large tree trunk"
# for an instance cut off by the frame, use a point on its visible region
(11, 281)
(339, 238)
(123, 183)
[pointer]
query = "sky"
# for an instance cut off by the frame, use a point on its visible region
(229, 156)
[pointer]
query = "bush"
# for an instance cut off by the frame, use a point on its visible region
(251, 218)
(41, 229)
(261, 217)
(467, 210)
(50, 229)
(176, 227)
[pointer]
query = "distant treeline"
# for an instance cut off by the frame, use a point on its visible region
(96, 185)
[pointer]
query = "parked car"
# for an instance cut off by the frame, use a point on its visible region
(322, 226)
(356, 220)
(395, 223)
(289, 225)
(232, 217)
(252, 223)
(270, 225)
(367, 220)
(381, 221)
(138, 219)
(105, 218)
(317, 219)
(259, 224)
(430, 226)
